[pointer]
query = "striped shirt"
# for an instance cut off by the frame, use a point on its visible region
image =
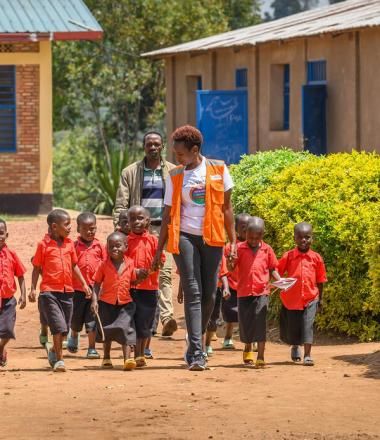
(153, 193)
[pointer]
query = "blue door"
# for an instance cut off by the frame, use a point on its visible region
(222, 119)
(314, 118)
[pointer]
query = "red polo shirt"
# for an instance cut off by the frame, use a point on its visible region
(89, 258)
(309, 269)
(10, 267)
(115, 286)
(254, 269)
(56, 263)
(141, 249)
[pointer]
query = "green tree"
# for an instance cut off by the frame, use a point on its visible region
(283, 8)
(241, 13)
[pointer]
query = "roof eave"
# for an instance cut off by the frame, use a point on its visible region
(31, 37)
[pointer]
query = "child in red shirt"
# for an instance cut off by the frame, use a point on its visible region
(56, 260)
(123, 223)
(113, 300)
(142, 247)
(10, 267)
(90, 253)
(302, 301)
(256, 263)
(229, 302)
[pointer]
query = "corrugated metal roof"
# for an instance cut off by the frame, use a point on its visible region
(46, 16)
(350, 14)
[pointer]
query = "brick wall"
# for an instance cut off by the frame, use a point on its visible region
(19, 47)
(20, 172)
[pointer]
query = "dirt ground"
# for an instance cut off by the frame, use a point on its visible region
(337, 399)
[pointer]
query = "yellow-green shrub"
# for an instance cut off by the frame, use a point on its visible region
(339, 195)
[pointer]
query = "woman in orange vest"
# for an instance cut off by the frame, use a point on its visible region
(197, 213)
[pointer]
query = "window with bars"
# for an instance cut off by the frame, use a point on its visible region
(7, 109)
(241, 78)
(279, 97)
(316, 72)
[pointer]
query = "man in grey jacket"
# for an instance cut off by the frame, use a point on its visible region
(143, 183)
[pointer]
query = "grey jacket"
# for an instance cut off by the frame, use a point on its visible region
(130, 188)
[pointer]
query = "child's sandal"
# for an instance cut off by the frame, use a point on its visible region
(248, 357)
(107, 363)
(140, 362)
(308, 361)
(260, 363)
(129, 364)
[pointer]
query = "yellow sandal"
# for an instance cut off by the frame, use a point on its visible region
(129, 364)
(248, 357)
(260, 363)
(140, 362)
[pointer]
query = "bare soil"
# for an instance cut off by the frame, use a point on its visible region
(339, 398)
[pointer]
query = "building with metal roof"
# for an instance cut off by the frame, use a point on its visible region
(38, 20)
(27, 28)
(308, 81)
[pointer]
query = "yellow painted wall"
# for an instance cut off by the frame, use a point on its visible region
(43, 58)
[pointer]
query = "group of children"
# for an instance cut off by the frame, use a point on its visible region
(114, 293)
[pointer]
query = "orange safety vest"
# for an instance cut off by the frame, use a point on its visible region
(213, 226)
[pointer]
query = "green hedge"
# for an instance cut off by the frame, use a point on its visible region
(339, 195)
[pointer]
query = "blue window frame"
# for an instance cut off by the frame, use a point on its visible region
(316, 72)
(199, 83)
(241, 78)
(286, 96)
(7, 109)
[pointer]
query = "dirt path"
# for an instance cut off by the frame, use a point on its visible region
(337, 399)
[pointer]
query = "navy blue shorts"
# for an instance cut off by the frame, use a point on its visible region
(56, 309)
(118, 323)
(253, 318)
(297, 326)
(8, 318)
(146, 305)
(82, 314)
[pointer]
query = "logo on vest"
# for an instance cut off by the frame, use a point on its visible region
(198, 195)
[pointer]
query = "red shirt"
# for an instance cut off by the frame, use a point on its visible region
(89, 258)
(115, 286)
(141, 249)
(309, 269)
(57, 264)
(254, 269)
(10, 267)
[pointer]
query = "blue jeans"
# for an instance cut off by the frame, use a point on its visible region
(198, 265)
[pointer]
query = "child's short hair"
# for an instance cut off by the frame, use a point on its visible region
(256, 224)
(116, 235)
(302, 226)
(123, 213)
(56, 215)
(240, 217)
(145, 211)
(85, 216)
(3, 222)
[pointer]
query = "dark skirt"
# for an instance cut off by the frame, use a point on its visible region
(82, 313)
(253, 318)
(230, 308)
(118, 323)
(212, 324)
(297, 326)
(56, 309)
(146, 305)
(8, 318)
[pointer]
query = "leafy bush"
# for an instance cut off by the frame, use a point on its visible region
(339, 196)
(254, 173)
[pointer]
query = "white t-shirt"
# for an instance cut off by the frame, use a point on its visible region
(193, 197)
